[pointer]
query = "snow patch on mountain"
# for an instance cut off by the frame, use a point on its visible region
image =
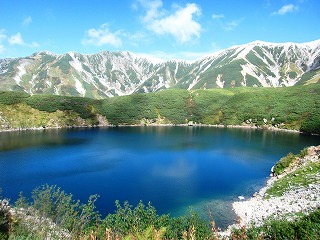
(75, 63)
(220, 83)
(121, 73)
(194, 82)
(21, 71)
(79, 87)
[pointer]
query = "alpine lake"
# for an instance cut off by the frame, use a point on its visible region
(176, 168)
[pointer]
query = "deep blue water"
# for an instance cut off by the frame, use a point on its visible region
(172, 167)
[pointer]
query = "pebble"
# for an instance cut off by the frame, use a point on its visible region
(305, 199)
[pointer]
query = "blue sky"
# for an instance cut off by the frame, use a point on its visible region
(183, 29)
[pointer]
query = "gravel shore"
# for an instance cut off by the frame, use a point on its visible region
(299, 199)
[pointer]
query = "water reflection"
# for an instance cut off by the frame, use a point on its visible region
(180, 168)
(26, 139)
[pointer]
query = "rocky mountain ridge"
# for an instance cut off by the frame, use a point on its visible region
(108, 74)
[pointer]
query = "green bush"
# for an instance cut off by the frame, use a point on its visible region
(6, 219)
(127, 109)
(283, 163)
(9, 98)
(306, 227)
(136, 221)
(85, 107)
(128, 220)
(82, 220)
(173, 104)
(50, 202)
(140, 222)
(312, 124)
(291, 108)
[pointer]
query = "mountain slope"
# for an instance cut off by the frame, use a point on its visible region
(110, 74)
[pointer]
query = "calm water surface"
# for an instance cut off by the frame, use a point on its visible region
(174, 168)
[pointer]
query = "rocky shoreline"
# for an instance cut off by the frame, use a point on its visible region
(106, 124)
(298, 199)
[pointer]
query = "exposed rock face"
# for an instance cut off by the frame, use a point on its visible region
(297, 199)
(107, 74)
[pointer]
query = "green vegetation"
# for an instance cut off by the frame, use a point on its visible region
(306, 227)
(9, 98)
(64, 64)
(127, 109)
(54, 213)
(300, 178)
(289, 108)
(51, 103)
(285, 162)
(20, 110)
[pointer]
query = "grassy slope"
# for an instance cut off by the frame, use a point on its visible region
(296, 172)
(292, 108)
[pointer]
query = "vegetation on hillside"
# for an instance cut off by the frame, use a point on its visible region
(289, 108)
(298, 174)
(54, 214)
(305, 227)
(285, 162)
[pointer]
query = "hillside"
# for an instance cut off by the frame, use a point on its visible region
(107, 74)
(294, 108)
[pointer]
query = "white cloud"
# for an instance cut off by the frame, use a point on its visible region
(102, 36)
(180, 24)
(286, 9)
(2, 38)
(33, 44)
(2, 49)
(153, 9)
(229, 26)
(217, 16)
(137, 39)
(16, 39)
(27, 21)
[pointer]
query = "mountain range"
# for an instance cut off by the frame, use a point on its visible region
(108, 74)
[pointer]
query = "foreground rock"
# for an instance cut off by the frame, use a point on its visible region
(296, 199)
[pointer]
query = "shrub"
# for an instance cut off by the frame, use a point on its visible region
(6, 219)
(85, 107)
(312, 124)
(128, 109)
(50, 202)
(10, 98)
(305, 227)
(283, 163)
(128, 220)
(291, 107)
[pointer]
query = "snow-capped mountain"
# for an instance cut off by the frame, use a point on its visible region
(258, 63)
